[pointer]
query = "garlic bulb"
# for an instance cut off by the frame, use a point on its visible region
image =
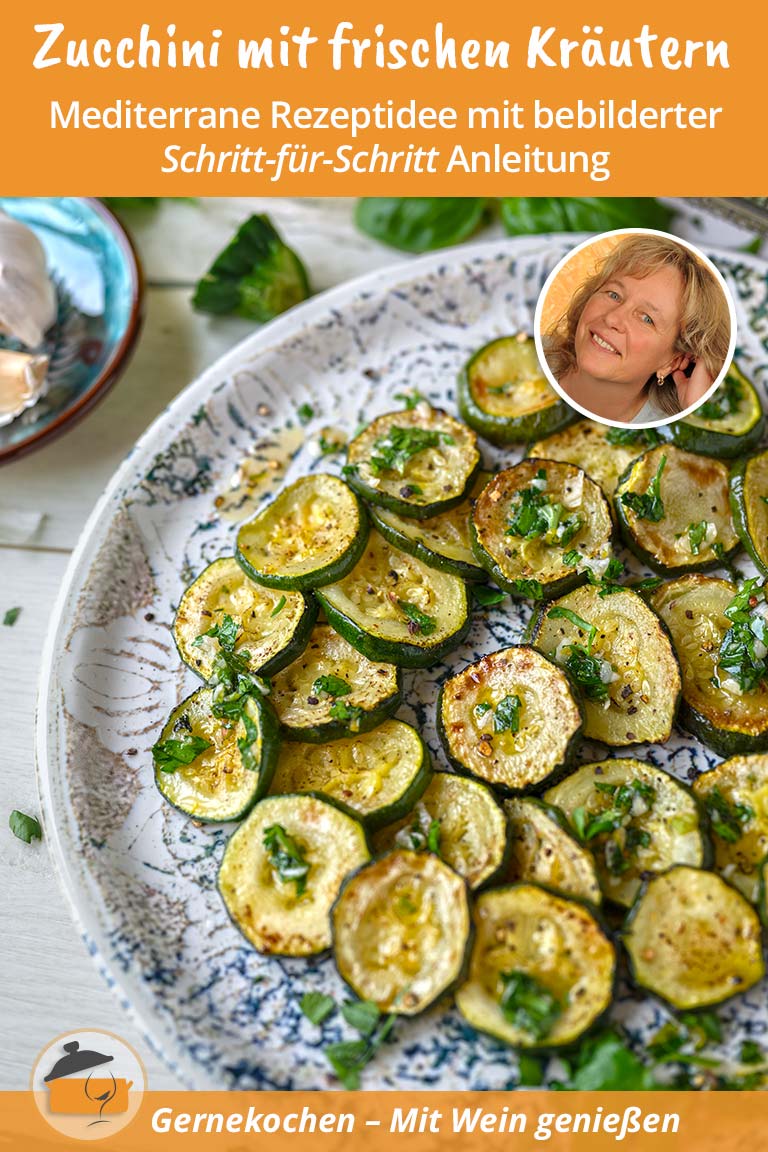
(27, 296)
(22, 383)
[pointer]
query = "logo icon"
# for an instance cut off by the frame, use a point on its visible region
(88, 1084)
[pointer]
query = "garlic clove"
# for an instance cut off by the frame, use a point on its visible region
(22, 383)
(27, 296)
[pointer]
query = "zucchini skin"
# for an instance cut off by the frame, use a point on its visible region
(373, 497)
(520, 589)
(710, 442)
(463, 569)
(721, 740)
(338, 729)
(738, 496)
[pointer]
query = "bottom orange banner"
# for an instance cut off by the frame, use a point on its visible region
(412, 1121)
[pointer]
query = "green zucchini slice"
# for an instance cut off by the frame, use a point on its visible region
(530, 517)
(544, 851)
(595, 449)
(749, 489)
(443, 541)
(728, 425)
(460, 820)
(625, 671)
(635, 818)
(401, 931)
(416, 462)
(332, 690)
(311, 534)
(504, 395)
(713, 707)
(693, 940)
(272, 627)
(542, 969)
(734, 796)
(674, 511)
(510, 719)
(283, 868)
(234, 766)
(393, 607)
(379, 775)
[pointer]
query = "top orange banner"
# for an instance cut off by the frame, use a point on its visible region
(230, 99)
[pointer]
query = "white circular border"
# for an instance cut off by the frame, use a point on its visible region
(540, 308)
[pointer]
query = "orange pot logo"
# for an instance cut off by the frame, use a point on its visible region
(88, 1084)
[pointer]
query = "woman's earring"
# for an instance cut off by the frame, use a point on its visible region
(659, 379)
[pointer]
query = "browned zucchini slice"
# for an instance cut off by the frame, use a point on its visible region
(545, 851)
(735, 798)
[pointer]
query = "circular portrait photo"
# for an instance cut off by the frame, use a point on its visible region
(635, 327)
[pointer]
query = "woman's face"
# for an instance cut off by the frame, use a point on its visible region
(629, 328)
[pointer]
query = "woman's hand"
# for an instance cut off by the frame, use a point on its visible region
(691, 389)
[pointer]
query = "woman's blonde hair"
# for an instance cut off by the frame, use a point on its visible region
(705, 324)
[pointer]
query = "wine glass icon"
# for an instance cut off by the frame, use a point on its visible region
(103, 1098)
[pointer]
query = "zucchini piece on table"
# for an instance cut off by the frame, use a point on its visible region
(379, 775)
(749, 506)
(504, 395)
(332, 690)
(283, 868)
(401, 931)
(725, 697)
(416, 462)
(443, 541)
(674, 511)
(734, 796)
(727, 425)
(620, 659)
(458, 819)
(393, 607)
(214, 768)
(693, 940)
(510, 719)
(545, 851)
(635, 818)
(533, 517)
(542, 969)
(312, 533)
(271, 627)
(603, 453)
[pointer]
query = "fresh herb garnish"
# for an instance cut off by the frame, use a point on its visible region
(647, 436)
(350, 713)
(226, 632)
(587, 671)
(572, 558)
(648, 505)
(530, 215)
(532, 589)
(329, 447)
(624, 799)
(608, 583)
(696, 534)
(589, 630)
(249, 744)
(506, 714)
(399, 445)
(724, 402)
(362, 1015)
(486, 596)
(317, 1006)
(286, 857)
(305, 413)
(278, 607)
(418, 620)
(410, 399)
(605, 1063)
(11, 616)
(26, 828)
(349, 1057)
(483, 708)
(330, 686)
(421, 839)
(738, 656)
(727, 820)
(534, 515)
(528, 1005)
(170, 755)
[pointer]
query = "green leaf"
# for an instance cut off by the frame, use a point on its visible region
(506, 714)
(696, 534)
(410, 399)
(278, 607)
(347, 1058)
(170, 755)
(589, 630)
(257, 276)
(330, 686)
(533, 589)
(399, 445)
(286, 857)
(11, 617)
(529, 1005)
(305, 413)
(572, 558)
(340, 710)
(317, 1007)
(129, 203)
(726, 819)
(362, 1015)
(586, 670)
(526, 215)
(648, 436)
(486, 596)
(226, 632)
(531, 1070)
(648, 505)
(26, 828)
(604, 1063)
(419, 621)
(420, 223)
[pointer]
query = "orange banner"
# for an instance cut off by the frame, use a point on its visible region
(304, 99)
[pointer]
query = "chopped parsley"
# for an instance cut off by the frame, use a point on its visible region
(724, 402)
(647, 505)
(11, 616)
(533, 589)
(170, 755)
(399, 445)
(534, 515)
(278, 607)
(418, 621)
(727, 820)
(26, 828)
(317, 1006)
(571, 558)
(586, 669)
(421, 839)
(506, 715)
(329, 447)
(738, 657)
(286, 857)
(351, 713)
(528, 1005)
(648, 436)
(410, 399)
(589, 630)
(330, 686)
(483, 708)
(696, 534)
(486, 596)
(249, 744)
(588, 825)
(305, 413)
(226, 632)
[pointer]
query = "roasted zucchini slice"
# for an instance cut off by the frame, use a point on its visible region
(728, 425)
(713, 707)
(401, 931)
(417, 462)
(393, 607)
(272, 627)
(635, 819)
(735, 798)
(693, 940)
(674, 511)
(510, 719)
(544, 851)
(530, 518)
(379, 775)
(749, 506)
(603, 453)
(283, 868)
(443, 541)
(504, 395)
(460, 820)
(621, 662)
(313, 533)
(542, 969)
(332, 690)
(235, 759)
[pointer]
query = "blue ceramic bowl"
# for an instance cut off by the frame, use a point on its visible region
(100, 293)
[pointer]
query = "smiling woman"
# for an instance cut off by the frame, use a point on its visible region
(645, 336)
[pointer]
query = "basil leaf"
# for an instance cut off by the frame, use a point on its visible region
(26, 828)
(317, 1007)
(525, 215)
(420, 223)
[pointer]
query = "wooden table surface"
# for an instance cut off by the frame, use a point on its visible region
(49, 984)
